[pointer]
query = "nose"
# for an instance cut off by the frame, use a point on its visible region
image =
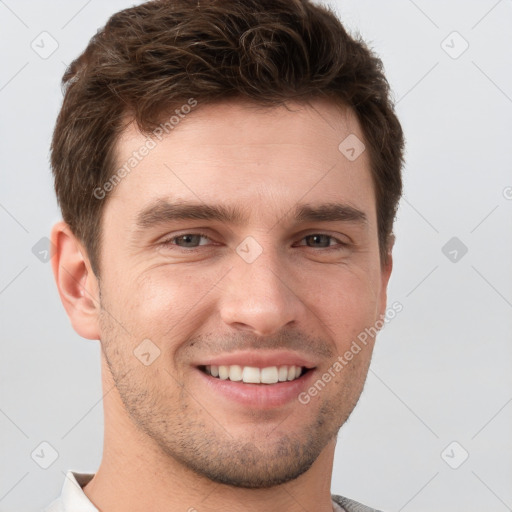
(260, 296)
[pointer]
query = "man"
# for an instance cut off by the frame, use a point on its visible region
(228, 174)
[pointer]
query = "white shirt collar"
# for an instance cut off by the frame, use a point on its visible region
(72, 497)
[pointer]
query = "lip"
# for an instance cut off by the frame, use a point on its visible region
(254, 396)
(260, 359)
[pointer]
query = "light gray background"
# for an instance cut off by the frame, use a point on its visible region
(442, 368)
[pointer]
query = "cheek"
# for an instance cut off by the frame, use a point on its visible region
(161, 303)
(347, 302)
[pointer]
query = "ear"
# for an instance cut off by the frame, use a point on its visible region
(78, 286)
(386, 268)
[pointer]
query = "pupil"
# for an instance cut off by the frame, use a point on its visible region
(187, 238)
(318, 238)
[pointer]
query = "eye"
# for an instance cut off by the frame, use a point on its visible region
(193, 241)
(186, 240)
(322, 241)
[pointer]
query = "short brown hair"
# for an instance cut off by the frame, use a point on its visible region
(154, 57)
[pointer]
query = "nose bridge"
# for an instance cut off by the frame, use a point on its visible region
(257, 296)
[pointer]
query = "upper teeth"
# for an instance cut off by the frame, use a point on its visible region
(252, 375)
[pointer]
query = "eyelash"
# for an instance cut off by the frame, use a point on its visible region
(169, 242)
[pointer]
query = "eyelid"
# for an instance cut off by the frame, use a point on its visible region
(338, 239)
(169, 239)
(342, 238)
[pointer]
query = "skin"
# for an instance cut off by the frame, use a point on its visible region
(164, 429)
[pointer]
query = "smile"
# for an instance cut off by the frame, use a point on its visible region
(255, 375)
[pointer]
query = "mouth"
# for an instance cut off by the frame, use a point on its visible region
(255, 379)
(268, 375)
(250, 380)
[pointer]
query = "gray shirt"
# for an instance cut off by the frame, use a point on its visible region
(350, 505)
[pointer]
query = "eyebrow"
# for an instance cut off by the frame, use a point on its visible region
(162, 212)
(329, 212)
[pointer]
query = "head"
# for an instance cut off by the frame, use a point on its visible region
(213, 215)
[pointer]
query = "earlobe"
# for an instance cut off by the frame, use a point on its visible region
(77, 285)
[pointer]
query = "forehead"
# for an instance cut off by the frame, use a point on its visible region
(267, 159)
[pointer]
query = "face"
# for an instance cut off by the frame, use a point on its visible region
(240, 251)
